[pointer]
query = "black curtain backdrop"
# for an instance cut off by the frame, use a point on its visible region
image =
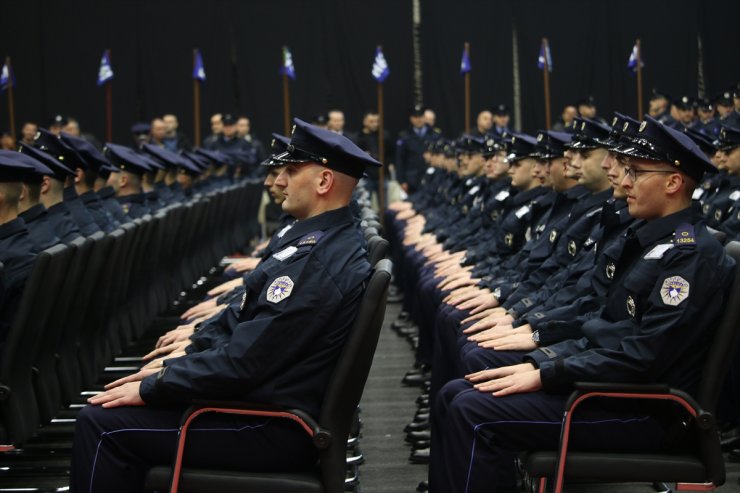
(56, 49)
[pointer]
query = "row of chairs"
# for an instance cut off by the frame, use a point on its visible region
(85, 301)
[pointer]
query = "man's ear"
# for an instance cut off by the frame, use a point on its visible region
(326, 181)
(45, 184)
(123, 180)
(78, 175)
(674, 183)
(24, 192)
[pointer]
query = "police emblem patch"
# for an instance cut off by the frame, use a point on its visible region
(553, 236)
(631, 308)
(279, 289)
(610, 269)
(509, 239)
(675, 289)
(717, 215)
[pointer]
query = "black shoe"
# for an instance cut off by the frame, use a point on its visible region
(422, 401)
(416, 380)
(420, 456)
(408, 331)
(417, 426)
(395, 298)
(421, 417)
(422, 487)
(730, 439)
(417, 436)
(421, 445)
(402, 323)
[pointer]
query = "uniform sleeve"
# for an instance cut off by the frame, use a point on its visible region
(259, 348)
(674, 324)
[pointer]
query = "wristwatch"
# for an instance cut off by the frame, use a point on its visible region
(536, 337)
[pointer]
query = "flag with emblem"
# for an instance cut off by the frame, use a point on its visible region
(199, 71)
(544, 57)
(7, 77)
(465, 66)
(635, 59)
(105, 72)
(287, 68)
(380, 66)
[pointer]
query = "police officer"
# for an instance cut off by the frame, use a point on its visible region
(410, 148)
(230, 143)
(56, 147)
(665, 298)
(289, 328)
(16, 249)
(128, 183)
(52, 193)
(31, 210)
(501, 116)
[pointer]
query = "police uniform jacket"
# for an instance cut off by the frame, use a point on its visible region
(100, 215)
(107, 196)
(39, 229)
(718, 206)
(410, 148)
(291, 327)
(17, 255)
(667, 294)
(80, 215)
(134, 205)
(61, 221)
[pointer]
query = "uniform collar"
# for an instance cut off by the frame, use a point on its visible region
(17, 225)
(89, 197)
(106, 192)
(651, 231)
(326, 220)
(58, 208)
(70, 193)
(137, 198)
(33, 213)
(523, 197)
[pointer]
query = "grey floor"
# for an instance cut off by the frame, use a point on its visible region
(387, 407)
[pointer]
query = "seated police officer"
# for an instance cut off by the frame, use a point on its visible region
(30, 208)
(667, 293)
(281, 350)
(128, 183)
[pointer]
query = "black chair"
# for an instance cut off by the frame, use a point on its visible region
(19, 414)
(377, 249)
(329, 432)
(700, 469)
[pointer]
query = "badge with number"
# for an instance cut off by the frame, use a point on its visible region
(675, 289)
(279, 289)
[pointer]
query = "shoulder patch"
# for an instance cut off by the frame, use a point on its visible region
(279, 289)
(658, 251)
(684, 235)
(675, 289)
(311, 238)
(285, 253)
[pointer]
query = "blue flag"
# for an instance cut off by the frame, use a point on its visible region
(199, 72)
(544, 55)
(105, 72)
(465, 66)
(380, 66)
(632, 62)
(287, 68)
(7, 78)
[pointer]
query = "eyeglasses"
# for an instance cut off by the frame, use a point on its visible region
(634, 173)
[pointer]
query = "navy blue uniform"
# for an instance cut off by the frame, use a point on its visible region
(79, 213)
(669, 283)
(134, 206)
(282, 350)
(61, 221)
(410, 147)
(17, 255)
(39, 228)
(102, 218)
(107, 196)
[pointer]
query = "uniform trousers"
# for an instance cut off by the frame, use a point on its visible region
(475, 435)
(114, 448)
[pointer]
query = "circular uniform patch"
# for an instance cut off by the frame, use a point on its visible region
(509, 239)
(572, 248)
(553, 236)
(674, 290)
(717, 215)
(279, 289)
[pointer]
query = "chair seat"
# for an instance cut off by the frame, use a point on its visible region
(199, 480)
(606, 467)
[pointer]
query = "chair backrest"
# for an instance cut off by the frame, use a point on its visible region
(350, 374)
(377, 249)
(725, 342)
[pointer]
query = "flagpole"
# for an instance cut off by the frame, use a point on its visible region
(196, 101)
(381, 153)
(109, 105)
(639, 80)
(467, 92)
(11, 102)
(286, 105)
(546, 76)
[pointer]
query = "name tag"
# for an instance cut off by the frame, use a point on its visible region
(658, 251)
(697, 193)
(285, 253)
(735, 195)
(474, 190)
(502, 195)
(522, 211)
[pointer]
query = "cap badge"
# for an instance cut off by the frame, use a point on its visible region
(643, 125)
(625, 126)
(614, 121)
(540, 137)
